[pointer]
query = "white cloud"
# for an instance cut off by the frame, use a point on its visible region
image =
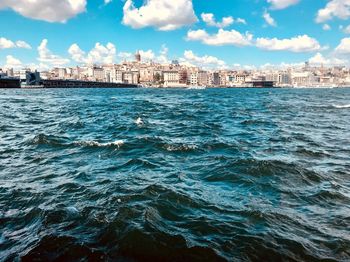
(319, 59)
(47, 57)
(210, 20)
(269, 19)
(163, 55)
(12, 62)
(22, 44)
(241, 21)
(6, 43)
(346, 30)
(147, 55)
(299, 44)
(125, 55)
(76, 53)
(107, 2)
(326, 27)
(164, 15)
(334, 8)
(100, 54)
(344, 46)
(281, 4)
(47, 10)
(206, 61)
(282, 65)
(223, 37)
(38, 67)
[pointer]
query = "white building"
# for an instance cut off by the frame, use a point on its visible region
(193, 79)
(301, 79)
(131, 77)
(171, 78)
(61, 73)
(98, 74)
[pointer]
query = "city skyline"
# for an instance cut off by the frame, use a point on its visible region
(222, 34)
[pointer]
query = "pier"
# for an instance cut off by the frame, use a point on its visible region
(10, 83)
(82, 84)
(16, 83)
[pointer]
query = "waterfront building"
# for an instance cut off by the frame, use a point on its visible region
(9, 72)
(240, 78)
(203, 78)
(284, 78)
(216, 79)
(32, 78)
(108, 76)
(97, 74)
(61, 73)
(193, 79)
(171, 78)
(45, 75)
(119, 76)
(131, 77)
(223, 77)
(279, 78)
(183, 77)
(301, 78)
(146, 75)
(23, 74)
(76, 72)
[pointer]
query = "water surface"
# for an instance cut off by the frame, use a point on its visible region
(175, 175)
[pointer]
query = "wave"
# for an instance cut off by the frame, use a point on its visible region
(43, 139)
(92, 143)
(139, 163)
(341, 106)
(139, 121)
(253, 171)
(180, 147)
(312, 153)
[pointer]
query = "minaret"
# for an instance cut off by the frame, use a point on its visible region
(138, 57)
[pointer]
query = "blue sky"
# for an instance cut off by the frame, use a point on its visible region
(254, 32)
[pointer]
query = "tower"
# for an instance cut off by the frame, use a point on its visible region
(138, 57)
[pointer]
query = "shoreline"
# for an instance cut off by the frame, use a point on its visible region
(163, 88)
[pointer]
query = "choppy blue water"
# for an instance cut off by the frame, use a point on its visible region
(175, 175)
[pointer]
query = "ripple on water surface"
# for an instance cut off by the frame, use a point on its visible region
(175, 175)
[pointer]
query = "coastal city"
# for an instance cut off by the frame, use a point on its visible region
(138, 73)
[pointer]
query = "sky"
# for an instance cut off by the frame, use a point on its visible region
(209, 33)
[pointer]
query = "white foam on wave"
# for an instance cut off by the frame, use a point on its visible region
(139, 121)
(72, 210)
(342, 106)
(117, 143)
(182, 147)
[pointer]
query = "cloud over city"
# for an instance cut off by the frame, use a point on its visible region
(46, 10)
(163, 15)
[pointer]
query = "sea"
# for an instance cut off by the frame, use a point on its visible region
(175, 175)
